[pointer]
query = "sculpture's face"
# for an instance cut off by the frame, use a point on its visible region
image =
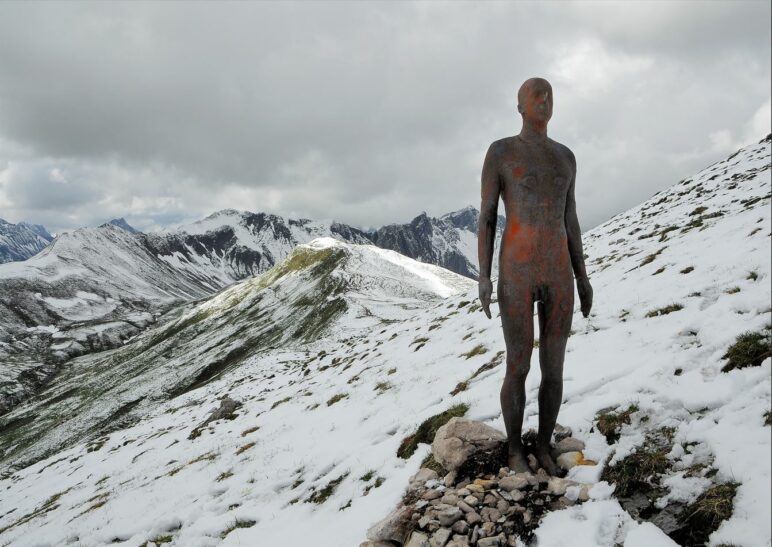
(535, 100)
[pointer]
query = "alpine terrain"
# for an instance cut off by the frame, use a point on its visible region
(276, 410)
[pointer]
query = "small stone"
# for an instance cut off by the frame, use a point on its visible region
(424, 474)
(527, 515)
(423, 521)
(487, 529)
(542, 477)
(448, 516)
(494, 541)
(440, 538)
(563, 502)
(376, 544)
(460, 527)
(431, 495)
(450, 499)
(489, 514)
(460, 438)
(517, 495)
(460, 542)
(474, 487)
(570, 444)
(450, 478)
(584, 493)
(463, 492)
(475, 534)
(502, 506)
(464, 506)
(463, 483)
(568, 460)
(503, 472)
(561, 432)
(513, 482)
(557, 486)
(415, 517)
(473, 517)
(471, 500)
(490, 500)
(417, 539)
(487, 484)
(433, 526)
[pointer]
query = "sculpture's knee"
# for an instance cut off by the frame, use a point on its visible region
(517, 369)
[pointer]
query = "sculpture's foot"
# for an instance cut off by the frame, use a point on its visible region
(517, 461)
(545, 461)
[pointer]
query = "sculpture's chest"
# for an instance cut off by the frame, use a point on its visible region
(540, 173)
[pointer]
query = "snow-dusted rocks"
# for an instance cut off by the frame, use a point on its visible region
(460, 438)
(21, 241)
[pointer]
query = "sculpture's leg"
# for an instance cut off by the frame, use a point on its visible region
(555, 316)
(516, 306)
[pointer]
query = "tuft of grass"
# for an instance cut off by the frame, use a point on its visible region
(381, 387)
(687, 270)
(238, 523)
(768, 418)
(430, 463)
(479, 349)
(670, 308)
(428, 429)
(461, 386)
(698, 211)
(639, 471)
(224, 475)
(391, 370)
(700, 519)
(335, 398)
(659, 271)
(321, 496)
(367, 476)
(752, 276)
(244, 448)
(250, 430)
(732, 290)
(159, 540)
(749, 350)
(610, 422)
(650, 258)
(280, 402)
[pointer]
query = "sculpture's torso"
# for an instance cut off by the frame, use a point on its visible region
(534, 181)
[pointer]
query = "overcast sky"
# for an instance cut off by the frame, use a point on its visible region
(367, 113)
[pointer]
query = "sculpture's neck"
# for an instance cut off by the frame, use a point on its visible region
(533, 130)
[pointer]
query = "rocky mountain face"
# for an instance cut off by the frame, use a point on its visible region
(21, 241)
(449, 241)
(302, 403)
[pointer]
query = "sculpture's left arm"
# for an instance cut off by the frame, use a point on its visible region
(575, 249)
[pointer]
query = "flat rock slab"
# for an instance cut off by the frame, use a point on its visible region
(458, 439)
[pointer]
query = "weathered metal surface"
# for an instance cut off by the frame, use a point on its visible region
(541, 252)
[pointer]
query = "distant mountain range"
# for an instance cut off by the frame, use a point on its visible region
(21, 241)
(93, 288)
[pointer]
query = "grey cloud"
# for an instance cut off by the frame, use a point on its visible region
(363, 112)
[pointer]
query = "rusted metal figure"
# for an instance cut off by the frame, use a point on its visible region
(541, 244)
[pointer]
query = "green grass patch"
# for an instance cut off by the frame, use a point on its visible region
(650, 258)
(687, 270)
(732, 290)
(382, 387)
(670, 308)
(659, 271)
(244, 448)
(461, 386)
(430, 463)
(428, 429)
(752, 276)
(320, 496)
(391, 370)
(700, 519)
(610, 422)
(479, 349)
(238, 523)
(335, 398)
(639, 472)
(280, 402)
(222, 476)
(749, 350)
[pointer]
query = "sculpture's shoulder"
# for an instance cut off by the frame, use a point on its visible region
(564, 150)
(500, 147)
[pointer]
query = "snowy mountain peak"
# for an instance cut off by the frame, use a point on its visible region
(121, 223)
(21, 241)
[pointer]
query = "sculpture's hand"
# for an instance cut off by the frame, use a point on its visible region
(486, 289)
(585, 294)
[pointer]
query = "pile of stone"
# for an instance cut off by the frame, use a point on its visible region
(473, 505)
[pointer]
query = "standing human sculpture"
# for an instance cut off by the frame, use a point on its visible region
(541, 244)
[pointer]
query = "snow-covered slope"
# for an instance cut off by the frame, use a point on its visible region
(310, 456)
(21, 241)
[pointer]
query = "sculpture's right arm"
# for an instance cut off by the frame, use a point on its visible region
(489, 204)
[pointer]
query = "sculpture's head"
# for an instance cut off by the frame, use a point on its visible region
(534, 100)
